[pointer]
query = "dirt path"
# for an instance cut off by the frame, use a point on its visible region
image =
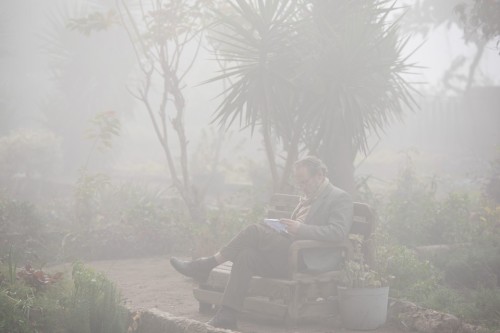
(152, 283)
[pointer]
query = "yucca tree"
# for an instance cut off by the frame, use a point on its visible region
(359, 78)
(320, 75)
(257, 43)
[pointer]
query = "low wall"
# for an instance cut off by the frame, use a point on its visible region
(410, 316)
(156, 321)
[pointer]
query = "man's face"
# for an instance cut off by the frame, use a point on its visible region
(305, 182)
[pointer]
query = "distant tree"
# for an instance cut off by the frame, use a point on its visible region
(478, 18)
(88, 76)
(166, 37)
(483, 17)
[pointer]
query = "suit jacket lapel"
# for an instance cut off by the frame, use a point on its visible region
(317, 203)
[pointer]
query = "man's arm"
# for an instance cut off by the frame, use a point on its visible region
(336, 225)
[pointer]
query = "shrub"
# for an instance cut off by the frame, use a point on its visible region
(413, 279)
(41, 302)
(32, 153)
(414, 215)
(94, 305)
(478, 307)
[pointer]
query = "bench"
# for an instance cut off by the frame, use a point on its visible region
(303, 295)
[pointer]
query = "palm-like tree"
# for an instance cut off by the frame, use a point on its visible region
(319, 75)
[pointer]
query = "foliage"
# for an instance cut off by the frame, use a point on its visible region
(15, 302)
(479, 307)
(19, 217)
(94, 305)
(88, 191)
(38, 279)
(311, 74)
(28, 298)
(483, 16)
(478, 18)
(95, 21)
(90, 305)
(30, 153)
(105, 126)
(492, 184)
(460, 275)
(23, 227)
(358, 274)
(415, 215)
(413, 278)
(161, 34)
(87, 75)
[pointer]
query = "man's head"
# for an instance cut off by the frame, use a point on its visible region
(309, 173)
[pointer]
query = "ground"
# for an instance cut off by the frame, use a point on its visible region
(152, 283)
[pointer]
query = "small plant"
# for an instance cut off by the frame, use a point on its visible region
(38, 279)
(358, 274)
(11, 262)
(95, 305)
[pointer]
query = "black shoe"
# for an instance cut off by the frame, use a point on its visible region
(198, 269)
(225, 318)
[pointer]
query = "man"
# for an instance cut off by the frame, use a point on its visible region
(324, 213)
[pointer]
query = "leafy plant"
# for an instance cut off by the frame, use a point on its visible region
(12, 264)
(94, 305)
(358, 274)
(30, 153)
(413, 278)
(41, 302)
(311, 74)
(38, 279)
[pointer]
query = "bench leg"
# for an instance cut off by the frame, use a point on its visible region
(290, 322)
(205, 308)
(292, 315)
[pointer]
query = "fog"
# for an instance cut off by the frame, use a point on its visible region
(34, 74)
(108, 151)
(57, 79)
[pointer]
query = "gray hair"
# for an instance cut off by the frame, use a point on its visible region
(313, 164)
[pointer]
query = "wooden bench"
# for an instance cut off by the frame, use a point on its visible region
(303, 295)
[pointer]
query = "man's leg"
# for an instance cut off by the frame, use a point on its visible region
(256, 236)
(270, 260)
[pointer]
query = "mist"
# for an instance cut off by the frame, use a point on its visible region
(134, 131)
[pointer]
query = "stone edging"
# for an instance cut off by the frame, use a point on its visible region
(156, 321)
(409, 315)
(414, 317)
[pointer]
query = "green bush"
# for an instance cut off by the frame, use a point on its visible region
(31, 153)
(479, 307)
(94, 305)
(23, 227)
(463, 276)
(39, 302)
(413, 279)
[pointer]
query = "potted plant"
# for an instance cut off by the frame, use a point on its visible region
(363, 295)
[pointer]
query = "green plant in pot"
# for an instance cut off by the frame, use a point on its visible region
(363, 295)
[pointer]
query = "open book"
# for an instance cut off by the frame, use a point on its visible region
(276, 225)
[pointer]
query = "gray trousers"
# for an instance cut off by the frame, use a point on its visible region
(256, 250)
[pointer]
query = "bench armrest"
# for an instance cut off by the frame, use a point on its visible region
(297, 246)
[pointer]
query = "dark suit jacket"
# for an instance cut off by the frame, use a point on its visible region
(329, 219)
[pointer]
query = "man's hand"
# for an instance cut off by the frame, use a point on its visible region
(291, 226)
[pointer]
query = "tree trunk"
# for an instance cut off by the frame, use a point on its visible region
(338, 155)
